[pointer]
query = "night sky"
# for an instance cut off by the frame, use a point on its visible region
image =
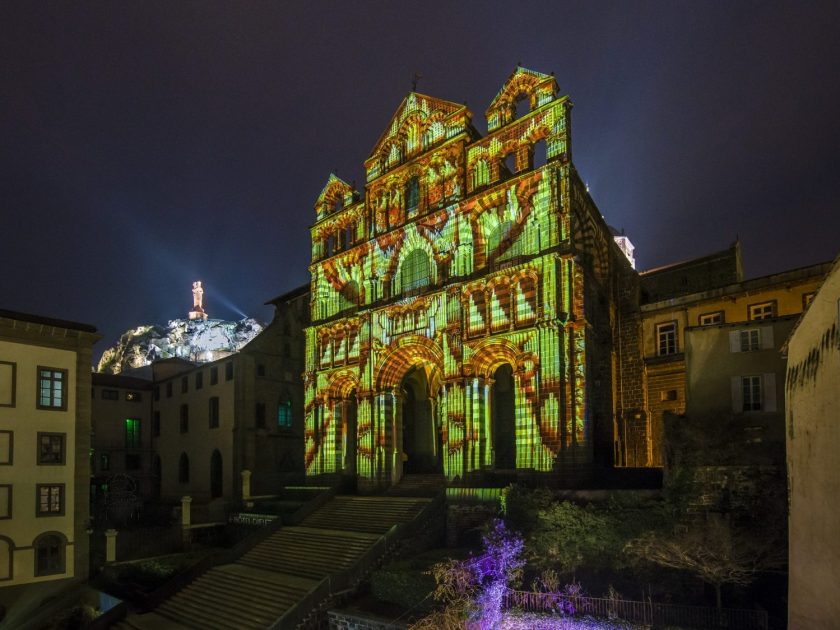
(146, 145)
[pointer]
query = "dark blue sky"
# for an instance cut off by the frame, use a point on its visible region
(145, 145)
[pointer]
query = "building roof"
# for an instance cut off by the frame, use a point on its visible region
(100, 379)
(290, 295)
(47, 321)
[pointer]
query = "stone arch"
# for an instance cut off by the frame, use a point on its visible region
(342, 383)
(411, 350)
(490, 354)
(50, 553)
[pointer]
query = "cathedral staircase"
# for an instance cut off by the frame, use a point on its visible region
(283, 580)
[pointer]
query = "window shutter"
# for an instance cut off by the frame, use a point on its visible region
(768, 390)
(735, 342)
(766, 336)
(737, 395)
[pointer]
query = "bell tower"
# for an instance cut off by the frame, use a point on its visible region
(197, 311)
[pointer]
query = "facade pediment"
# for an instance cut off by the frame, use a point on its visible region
(539, 88)
(419, 123)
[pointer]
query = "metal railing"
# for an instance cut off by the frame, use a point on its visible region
(645, 612)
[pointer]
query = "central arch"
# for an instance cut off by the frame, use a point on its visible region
(420, 440)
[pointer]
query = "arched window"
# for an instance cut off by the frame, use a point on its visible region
(481, 174)
(49, 554)
(416, 271)
(349, 297)
(284, 415)
(6, 549)
(498, 236)
(184, 469)
(412, 194)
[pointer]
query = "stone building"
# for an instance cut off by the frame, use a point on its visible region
(209, 422)
(44, 465)
(706, 305)
(121, 439)
(812, 390)
(470, 306)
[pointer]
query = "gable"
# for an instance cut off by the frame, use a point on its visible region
(538, 87)
(335, 190)
(420, 122)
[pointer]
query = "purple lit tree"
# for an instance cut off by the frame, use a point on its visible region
(473, 590)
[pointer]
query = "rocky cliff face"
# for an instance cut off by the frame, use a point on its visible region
(194, 340)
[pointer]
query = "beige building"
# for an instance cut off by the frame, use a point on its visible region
(710, 292)
(44, 464)
(243, 412)
(812, 391)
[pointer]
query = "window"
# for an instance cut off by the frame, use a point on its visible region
(49, 554)
(7, 443)
(51, 448)
(110, 394)
(749, 340)
(668, 395)
(157, 392)
(751, 392)
(184, 469)
(348, 298)
(412, 194)
(185, 384)
(132, 461)
(132, 433)
(259, 415)
(214, 412)
(284, 415)
(710, 319)
(260, 369)
(133, 397)
(199, 380)
(229, 371)
(49, 499)
(52, 385)
(8, 376)
(5, 501)
(169, 389)
(185, 418)
(498, 236)
(807, 298)
(765, 310)
(416, 271)
(666, 338)
(104, 462)
(156, 424)
(754, 393)
(214, 375)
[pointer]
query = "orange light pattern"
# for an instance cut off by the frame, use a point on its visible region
(457, 259)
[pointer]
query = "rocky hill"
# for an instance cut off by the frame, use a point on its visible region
(194, 340)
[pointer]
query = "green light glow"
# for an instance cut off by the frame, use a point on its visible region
(450, 264)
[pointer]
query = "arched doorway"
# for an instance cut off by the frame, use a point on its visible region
(156, 477)
(216, 474)
(420, 438)
(503, 418)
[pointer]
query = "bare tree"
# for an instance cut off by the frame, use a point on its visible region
(715, 552)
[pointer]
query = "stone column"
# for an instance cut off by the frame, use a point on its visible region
(186, 534)
(110, 545)
(246, 486)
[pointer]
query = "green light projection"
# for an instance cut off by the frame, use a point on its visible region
(451, 264)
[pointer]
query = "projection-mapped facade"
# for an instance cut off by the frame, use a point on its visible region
(456, 304)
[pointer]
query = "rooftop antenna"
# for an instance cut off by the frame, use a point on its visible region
(417, 76)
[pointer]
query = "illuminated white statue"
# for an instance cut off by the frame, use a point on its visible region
(198, 300)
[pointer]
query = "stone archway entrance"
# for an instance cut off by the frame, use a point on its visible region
(420, 437)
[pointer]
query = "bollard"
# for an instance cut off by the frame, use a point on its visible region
(110, 545)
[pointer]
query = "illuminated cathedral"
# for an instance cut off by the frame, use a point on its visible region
(469, 306)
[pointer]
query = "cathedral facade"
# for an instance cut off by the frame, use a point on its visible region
(467, 314)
